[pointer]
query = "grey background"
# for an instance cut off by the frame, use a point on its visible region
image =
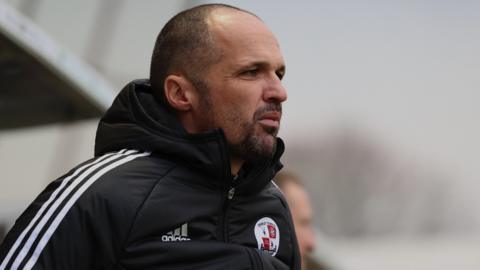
(380, 122)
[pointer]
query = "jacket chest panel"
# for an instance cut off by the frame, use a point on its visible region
(176, 212)
(260, 222)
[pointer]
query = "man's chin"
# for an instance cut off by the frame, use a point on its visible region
(270, 130)
(256, 148)
(268, 146)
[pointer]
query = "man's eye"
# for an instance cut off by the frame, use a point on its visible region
(280, 74)
(250, 72)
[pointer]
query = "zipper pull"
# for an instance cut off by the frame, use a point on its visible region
(231, 193)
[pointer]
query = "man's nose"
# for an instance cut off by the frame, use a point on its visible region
(275, 92)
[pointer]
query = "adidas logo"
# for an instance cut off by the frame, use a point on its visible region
(179, 234)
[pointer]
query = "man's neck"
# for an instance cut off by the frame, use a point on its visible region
(235, 165)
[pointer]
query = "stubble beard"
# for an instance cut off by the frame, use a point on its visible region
(258, 142)
(251, 147)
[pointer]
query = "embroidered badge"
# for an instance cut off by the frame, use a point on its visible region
(267, 235)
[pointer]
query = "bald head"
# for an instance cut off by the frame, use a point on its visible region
(186, 45)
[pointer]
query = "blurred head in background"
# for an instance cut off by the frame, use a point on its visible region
(301, 209)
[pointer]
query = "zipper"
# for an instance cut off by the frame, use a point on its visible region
(231, 190)
(231, 193)
(227, 197)
(228, 191)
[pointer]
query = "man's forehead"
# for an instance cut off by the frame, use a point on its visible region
(296, 193)
(238, 30)
(228, 16)
(228, 21)
(243, 40)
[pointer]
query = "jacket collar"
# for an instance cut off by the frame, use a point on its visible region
(137, 120)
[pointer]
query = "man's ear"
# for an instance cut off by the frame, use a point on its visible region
(179, 92)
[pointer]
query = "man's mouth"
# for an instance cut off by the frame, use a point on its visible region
(271, 119)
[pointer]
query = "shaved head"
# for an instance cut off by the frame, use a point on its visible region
(186, 45)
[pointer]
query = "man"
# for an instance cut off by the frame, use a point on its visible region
(182, 172)
(302, 213)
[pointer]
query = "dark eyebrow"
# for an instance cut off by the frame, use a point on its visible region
(262, 64)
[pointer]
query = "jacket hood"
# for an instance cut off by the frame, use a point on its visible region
(136, 120)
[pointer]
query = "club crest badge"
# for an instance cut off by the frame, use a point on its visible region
(267, 235)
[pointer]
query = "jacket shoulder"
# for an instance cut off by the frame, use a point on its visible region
(89, 208)
(131, 180)
(121, 190)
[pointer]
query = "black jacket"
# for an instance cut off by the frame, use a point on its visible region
(155, 197)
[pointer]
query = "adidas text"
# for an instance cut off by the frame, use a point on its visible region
(179, 234)
(174, 238)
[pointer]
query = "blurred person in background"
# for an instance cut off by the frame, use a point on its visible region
(302, 214)
(181, 177)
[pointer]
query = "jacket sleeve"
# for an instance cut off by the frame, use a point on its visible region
(201, 255)
(36, 241)
(61, 231)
